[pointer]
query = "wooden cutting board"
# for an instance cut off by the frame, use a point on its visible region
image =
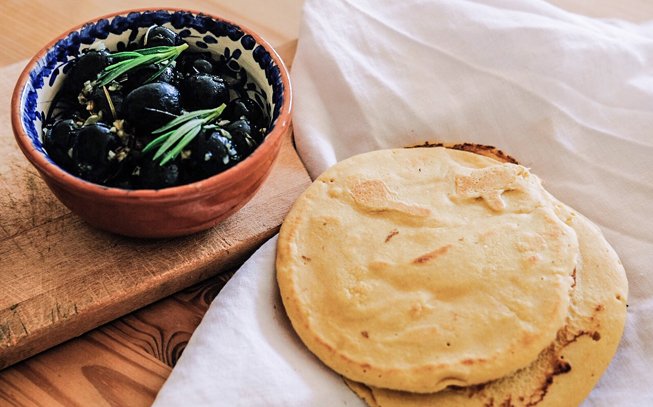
(60, 277)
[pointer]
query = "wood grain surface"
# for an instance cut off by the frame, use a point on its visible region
(124, 363)
(61, 277)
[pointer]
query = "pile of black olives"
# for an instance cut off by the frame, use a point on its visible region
(98, 133)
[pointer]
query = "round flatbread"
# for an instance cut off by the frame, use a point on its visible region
(418, 269)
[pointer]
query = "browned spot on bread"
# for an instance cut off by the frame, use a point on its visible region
(468, 362)
(487, 151)
(365, 334)
(599, 307)
(507, 402)
(573, 275)
(306, 259)
(393, 233)
(469, 390)
(561, 367)
(566, 338)
(558, 367)
(554, 363)
(427, 144)
(432, 255)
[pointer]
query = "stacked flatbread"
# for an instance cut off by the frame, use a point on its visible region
(432, 276)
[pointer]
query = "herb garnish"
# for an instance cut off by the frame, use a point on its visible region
(128, 60)
(179, 132)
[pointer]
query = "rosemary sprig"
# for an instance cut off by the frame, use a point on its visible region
(179, 132)
(128, 60)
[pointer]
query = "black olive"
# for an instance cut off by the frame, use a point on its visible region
(139, 76)
(192, 63)
(151, 106)
(204, 91)
(66, 109)
(246, 108)
(241, 137)
(202, 66)
(152, 175)
(85, 68)
(211, 153)
(101, 103)
(233, 79)
(92, 152)
(159, 36)
(58, 142)
(122, 174)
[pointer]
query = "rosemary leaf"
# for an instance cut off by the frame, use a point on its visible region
(188, 137)
(182, 119)
(118, 65)
(157, 142)
(130, 60)
(125, 54)
(158, 50)
(176, 136)
(180, 132)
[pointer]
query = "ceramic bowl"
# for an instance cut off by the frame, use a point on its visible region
(172, 211)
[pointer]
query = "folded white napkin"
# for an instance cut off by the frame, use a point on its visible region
(569, 96)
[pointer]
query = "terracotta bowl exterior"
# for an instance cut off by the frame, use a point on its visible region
(172, 211)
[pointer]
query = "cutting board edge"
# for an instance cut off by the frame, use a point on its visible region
(99, 314)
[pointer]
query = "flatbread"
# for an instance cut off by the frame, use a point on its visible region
(419, 269)
(567, 370)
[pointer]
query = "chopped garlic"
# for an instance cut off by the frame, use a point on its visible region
(92, 120)
(122, 154)
(88, 88)
(118, 125)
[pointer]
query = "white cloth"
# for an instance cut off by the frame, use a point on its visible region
(569, 96)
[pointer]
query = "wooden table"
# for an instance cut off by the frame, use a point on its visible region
(126, 361)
